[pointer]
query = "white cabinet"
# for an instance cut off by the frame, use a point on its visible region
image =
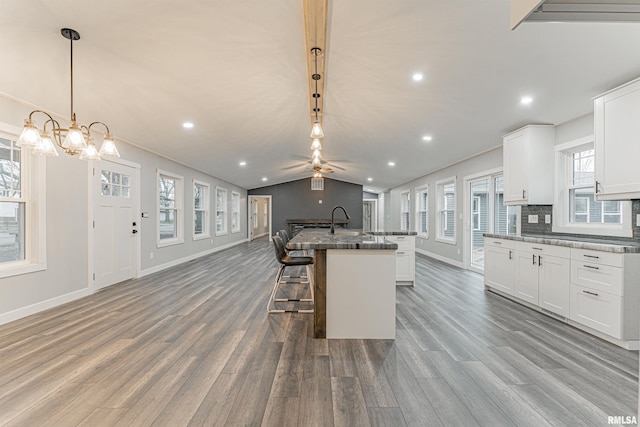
(542, 276)
(528, 165)
(617, 143)
(499, 264)
(605, 292)
(405, 259)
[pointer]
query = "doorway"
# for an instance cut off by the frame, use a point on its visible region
(116, 224)
(486, 214)
(259, 217)
(370, 215)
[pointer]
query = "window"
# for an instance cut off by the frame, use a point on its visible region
(200, 210)
(404, 211)
(506, 218)
(576, 209)
(265, 214)
(221, 211)
(475, 213)
(170, 209)
(446, 223)
(235, 212)
(22, 222)
(114, 184)
(255, 213)
(422, 211)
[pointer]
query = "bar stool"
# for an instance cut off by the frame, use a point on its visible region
(289, 261)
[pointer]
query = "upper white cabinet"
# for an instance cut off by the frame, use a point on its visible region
(617, 143)
(528, 165)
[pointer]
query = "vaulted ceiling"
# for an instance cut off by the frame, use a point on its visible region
(238, 71)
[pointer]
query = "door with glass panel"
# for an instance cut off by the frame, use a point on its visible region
(488, 214)
(116, 223)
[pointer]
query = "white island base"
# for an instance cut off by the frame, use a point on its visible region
(361, 294)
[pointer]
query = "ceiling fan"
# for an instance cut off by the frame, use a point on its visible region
(324, 167)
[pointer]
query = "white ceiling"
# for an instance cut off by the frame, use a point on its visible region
(237, 69)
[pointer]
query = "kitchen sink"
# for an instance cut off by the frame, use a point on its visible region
(349, 233)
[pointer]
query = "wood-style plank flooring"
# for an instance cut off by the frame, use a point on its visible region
(193, 345)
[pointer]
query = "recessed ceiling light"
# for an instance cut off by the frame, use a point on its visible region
(526, 100)
(427, 138)
(264, 178)
(371, 189)
(187, 125)
(243, 163)
(392, 163)
(369, 179)
(417, 77)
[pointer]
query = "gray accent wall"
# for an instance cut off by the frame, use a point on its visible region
(296, 200)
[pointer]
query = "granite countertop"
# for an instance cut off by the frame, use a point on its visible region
(393, 233)
(609, 245)
(322, 239)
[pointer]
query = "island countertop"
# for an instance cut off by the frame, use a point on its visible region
(322, 239)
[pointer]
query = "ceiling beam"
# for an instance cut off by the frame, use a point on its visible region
(315, 27)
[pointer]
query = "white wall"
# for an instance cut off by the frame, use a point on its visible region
(66, 276)
(453, 253)
(574, 129)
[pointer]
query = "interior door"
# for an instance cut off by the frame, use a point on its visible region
(116, 223)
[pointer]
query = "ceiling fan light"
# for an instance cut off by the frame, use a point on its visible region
(74, 140)
(45, 146)
(108, 148)
(316, 162)
(29, 136)
(91, 152)
(316, 144)
(316, 130)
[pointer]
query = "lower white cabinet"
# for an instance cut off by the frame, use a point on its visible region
(596, 309)
(499, 265)
(553, 279)
(405, 258)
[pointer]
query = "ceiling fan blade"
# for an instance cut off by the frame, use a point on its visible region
(326, 170)
(336, 166)
(292, 167)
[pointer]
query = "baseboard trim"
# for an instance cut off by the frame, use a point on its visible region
(188, 258)
(440, 258)
(43, 305)
(260, 235)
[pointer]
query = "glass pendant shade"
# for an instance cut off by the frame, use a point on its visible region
(108, 147)
(29, 136)
(316, 162)
(74, 140)
(316, 154)
(316, 144)
(91, 152)
(45, 146)
(316, 130)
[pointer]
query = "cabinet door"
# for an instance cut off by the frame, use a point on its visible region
(515, 157)
(405, 268)
(554, 278)
(597, 310)
(499, 268)
(617, 131)
(526, 283)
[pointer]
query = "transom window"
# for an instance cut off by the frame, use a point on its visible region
(115, 184)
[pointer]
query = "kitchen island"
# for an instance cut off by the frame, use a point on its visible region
(354, 283)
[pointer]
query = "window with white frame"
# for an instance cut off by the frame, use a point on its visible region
(200, 210)
(404, 211)
(170, 208)
(235, 212)
(265, 215)
(422, 211)
(446, 206)
(576, 209)
(221, 211)
(255, 213)
(22, 221)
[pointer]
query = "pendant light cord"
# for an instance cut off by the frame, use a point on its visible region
(71, 56)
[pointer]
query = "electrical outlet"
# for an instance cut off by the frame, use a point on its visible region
(533, 219)
(150, 255)
(547, 219)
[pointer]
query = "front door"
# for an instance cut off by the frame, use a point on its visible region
(116, 223)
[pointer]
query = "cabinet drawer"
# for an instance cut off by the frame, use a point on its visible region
(598, 257)
(539, 249)
(499, 243)
(405, 243)
(597, 310)
(597, 276)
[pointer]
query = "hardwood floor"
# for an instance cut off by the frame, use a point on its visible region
(194, 345)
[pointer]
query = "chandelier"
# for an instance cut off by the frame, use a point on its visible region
(316, 129)
(77, 139)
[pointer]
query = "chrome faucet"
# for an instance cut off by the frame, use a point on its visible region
(333, 230)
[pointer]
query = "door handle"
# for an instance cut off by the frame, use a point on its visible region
(134, 231)
(592, 267)
(590, 293)
(533, 258)
(539, 261)
(510, 254)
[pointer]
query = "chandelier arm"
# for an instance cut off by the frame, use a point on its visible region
(99, 123)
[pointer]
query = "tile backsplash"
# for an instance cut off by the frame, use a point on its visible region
(545, 229)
